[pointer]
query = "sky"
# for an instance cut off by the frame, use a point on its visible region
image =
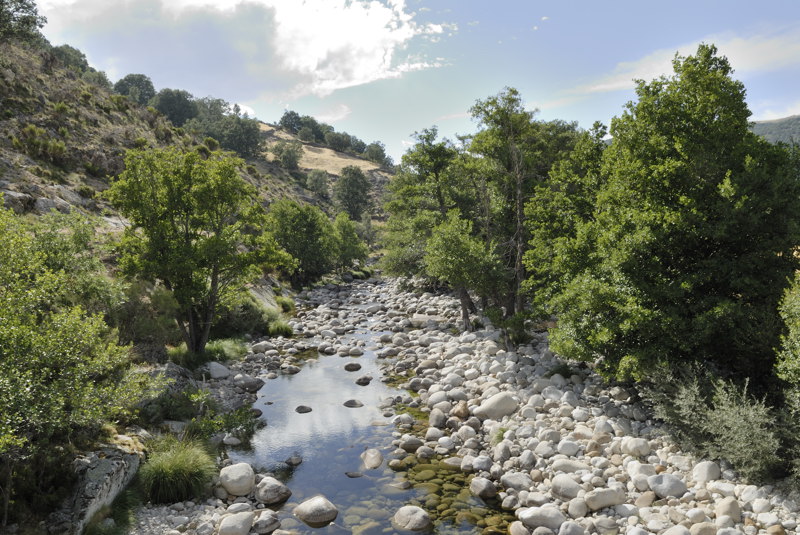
(384, 69)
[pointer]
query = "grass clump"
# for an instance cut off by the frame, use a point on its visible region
(280, 328)
(176, 471)
(226, 349)
(286, 304)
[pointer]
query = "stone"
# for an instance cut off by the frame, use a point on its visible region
(516, 480)
(482, 488)
(547, 516)
(569, 466)
(237, 479)
(317, 511)
(706, 471)
(372, 459)
(564, 487)
(270, 491)
(729, 506)
(518, 528)
(248, 383)
(410, 443)
(636, 447)
(497, 406)
(571, 528)
(353, 404)
(703, 528)
(217, 370)
(352, 366)
(577, 508)
(411, 517)
(677, 530)
(236, 524)
(302, 409)
(665, 485)
(364, 380)
(266, 522)
(602, 498)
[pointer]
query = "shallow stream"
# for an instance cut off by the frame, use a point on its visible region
(329, 440)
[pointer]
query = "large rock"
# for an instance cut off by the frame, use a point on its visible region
(217, 370)
(270, 491)
(266, 522)
(411, 517)
(637, 447)
(497, 406)
(601, 498)
(247, 382)
(564, 487)
(482, 488)
(535, 517)
(317, 511)
(237, 479)
(706, 471)
(236, 524)
(729, 506)
(665, 485)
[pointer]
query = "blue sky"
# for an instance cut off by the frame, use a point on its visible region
(383, 69)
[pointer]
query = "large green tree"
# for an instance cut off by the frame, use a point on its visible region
(692, 237)
(196, 226)
(19, 19)
(178, 105)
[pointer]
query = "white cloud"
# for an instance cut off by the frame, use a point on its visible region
(335, 114)
(756, 53)
(301, 46)
(244, 108)
(545, 18)
(771, 112)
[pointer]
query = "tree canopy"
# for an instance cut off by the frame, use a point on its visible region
(197, 227)
(19, 19)
(178, 105)
(138, 87)
(351, 192)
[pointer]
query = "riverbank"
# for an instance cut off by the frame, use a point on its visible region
(549, 442)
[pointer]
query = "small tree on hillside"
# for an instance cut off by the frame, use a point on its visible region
(319, 182)
(194, 227)
(288, 153)
(138, 87)
(351, 192)
(178, 105)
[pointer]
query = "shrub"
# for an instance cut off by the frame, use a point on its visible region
(176, 471)
(280, 328)
(226, 349)
(245, 315)
(285, 303)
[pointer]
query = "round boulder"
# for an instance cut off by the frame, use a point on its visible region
(237, 479)
(270, 491)
(411, 517)
(316, 512)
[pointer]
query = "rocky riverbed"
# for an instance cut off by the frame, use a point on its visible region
(504, 440)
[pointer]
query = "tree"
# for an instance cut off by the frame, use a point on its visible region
(307, 235)
(71, 58)
(337, 141)
(288, 153)
(216, 118)
(349, 247)
(290, 121)
(19, 19)
(98, 78)
(454, 256)
(351, 192)
(178, 105)
(195, 226)
(376, 152)
(138, 87)
(319, 182)
(692, 237)
(61, 375)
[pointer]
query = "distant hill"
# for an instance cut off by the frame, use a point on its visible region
(786, 130)
(64, 139)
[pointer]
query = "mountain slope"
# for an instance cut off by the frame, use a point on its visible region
(786, 130)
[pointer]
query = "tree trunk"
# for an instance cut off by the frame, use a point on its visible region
(466, 304)
(5, 490)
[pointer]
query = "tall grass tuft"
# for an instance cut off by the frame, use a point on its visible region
(176, 471)
(280, 328)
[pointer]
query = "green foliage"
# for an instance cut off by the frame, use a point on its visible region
(242, 315)
(349, 247)
(788, 365)
(176, 471)
(286, 304)
(20, 20)
(176, 104)
(351, 192)
(337, 141)
(98, 78)
(304, 232)
(217, 119)
(691, 238)
(36, 142)
(194, 227)
(61, 375)
(226, 349)
(71, 58)
(376, 152)
(718, 419)
(319, 182)
(288, 153)
(138, 87)
(290, 121)
(280, 328)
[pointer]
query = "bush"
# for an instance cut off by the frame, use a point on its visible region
(226, 349)
(176, 471)
(245, 315)
(280, 328)
(286, 304)
(718, 419)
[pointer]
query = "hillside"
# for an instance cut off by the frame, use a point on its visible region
(786, 130)
(65, 138)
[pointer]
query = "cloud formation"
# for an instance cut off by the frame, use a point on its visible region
(765, 52)
(285, 48)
